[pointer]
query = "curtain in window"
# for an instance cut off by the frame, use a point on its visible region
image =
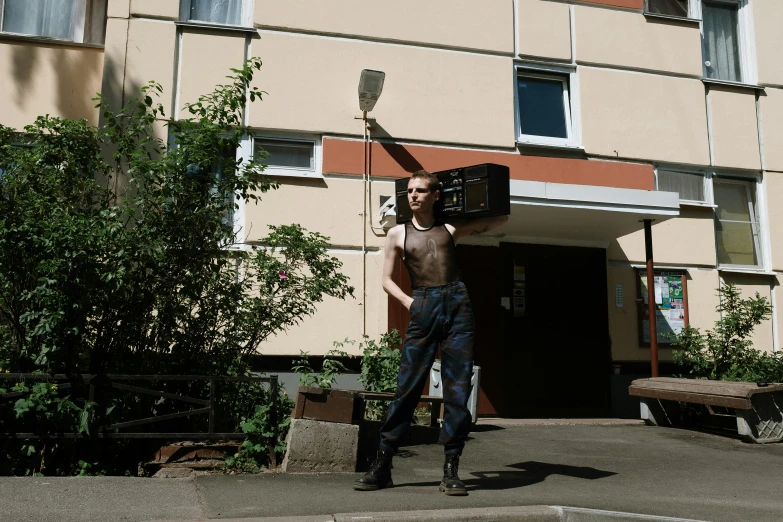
(291, 154)
(217, 11)
(52, 18)
(721, 41)
(737, 225)
(690, 186)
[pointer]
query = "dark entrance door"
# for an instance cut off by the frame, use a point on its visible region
(557, 356)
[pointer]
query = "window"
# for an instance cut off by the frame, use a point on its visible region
(82, 21)
(668, 7)
(288, 156)
(544, 107)
(736, 222)
(720, 37)
(690, 185)
(726, 35)
(224, 12)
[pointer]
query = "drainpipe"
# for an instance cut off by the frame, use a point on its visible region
(651, 308)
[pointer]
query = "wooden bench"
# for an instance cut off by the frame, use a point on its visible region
(348, 406)
(758, 408)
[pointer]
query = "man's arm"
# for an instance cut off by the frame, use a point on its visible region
(391, 251)
(477, 226)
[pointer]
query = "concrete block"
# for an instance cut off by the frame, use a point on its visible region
(572, 514)
(489, 514)
(764, 422)
(655, 412)
(321, 446)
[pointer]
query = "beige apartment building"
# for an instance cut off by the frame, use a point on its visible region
(607, 112)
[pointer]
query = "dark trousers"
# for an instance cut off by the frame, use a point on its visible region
(439, 315)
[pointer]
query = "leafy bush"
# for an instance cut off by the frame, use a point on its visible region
(330, 368)
(132, 265)
(380, 365)
(726, 352)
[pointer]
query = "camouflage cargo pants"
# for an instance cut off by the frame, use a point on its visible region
(439, 315)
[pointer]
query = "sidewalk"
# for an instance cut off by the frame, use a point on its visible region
(616, 467)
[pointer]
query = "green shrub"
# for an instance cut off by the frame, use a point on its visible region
(128, 265)
(330, 368)
(726, 351)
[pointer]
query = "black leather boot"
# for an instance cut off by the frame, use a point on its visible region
(451, 484)
(379, 475)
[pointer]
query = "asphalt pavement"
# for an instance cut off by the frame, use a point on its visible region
(615, 467)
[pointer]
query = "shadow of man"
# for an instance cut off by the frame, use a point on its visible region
(524, 474)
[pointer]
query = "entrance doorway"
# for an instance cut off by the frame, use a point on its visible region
(556, 344)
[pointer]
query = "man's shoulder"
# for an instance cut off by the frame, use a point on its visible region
(396, 230)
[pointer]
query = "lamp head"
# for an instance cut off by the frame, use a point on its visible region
(370, 87)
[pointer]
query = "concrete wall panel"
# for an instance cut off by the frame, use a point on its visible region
(486, 26)
(623, 38)
(645, 116)
(331, 206)
(688, 239)
(166, 9)
(335, 319)
(207, 57)
(623, 322)
(703, 298)
(735, 137)
(118, 9)
(767, 23)
(115, 49)
(771, 109)
(544, 29)
(748, 285)
(434, 95)
(38, 79)
(145, 40)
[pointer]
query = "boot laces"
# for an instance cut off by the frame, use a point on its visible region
(381, 462)
(451, 468)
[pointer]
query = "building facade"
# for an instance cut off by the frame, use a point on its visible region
(607, 112)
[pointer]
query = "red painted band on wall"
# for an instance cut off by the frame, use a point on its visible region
(398, 161)
(631, 4)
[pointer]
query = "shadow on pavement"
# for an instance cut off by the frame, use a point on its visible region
(486, 427)
(530, 472)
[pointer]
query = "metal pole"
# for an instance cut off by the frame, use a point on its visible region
(211, 406)
(651, 308)
(273, 419)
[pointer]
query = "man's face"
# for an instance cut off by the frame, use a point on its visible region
(420, 197)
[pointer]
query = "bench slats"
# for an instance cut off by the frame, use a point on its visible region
(694, 397)
(722, 388)
(715, 389)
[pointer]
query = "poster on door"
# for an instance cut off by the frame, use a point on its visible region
(670, 306)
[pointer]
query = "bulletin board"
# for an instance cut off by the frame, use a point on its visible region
(671, 304)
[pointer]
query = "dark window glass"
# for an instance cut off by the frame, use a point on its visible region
(541, 107)
(668, 7)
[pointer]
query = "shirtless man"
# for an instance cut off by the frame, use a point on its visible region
(441, 314)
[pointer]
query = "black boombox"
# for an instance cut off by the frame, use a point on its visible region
(465, 192)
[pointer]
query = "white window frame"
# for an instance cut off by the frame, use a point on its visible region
(706, 179)
(745, 34)
(570, 80)
(84, 17)
(292, 172)
(246, 16)
(759, 229)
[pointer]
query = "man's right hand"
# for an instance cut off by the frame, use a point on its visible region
(409, 304)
